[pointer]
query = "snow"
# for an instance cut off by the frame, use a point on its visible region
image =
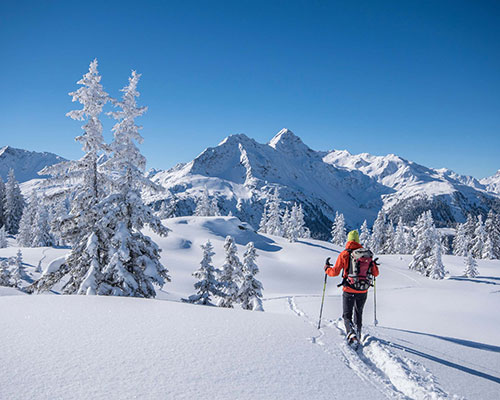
(434, 340)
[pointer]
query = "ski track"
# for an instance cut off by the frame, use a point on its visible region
(395, 376)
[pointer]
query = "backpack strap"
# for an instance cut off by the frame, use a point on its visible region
(345, 274)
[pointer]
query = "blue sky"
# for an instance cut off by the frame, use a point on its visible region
(416, 78)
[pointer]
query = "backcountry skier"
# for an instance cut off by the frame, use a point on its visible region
(359, 269)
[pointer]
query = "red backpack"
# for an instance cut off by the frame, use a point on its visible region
(359, 274)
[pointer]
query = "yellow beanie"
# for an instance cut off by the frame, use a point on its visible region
(353, 236)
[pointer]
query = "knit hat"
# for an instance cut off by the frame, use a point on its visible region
(353, 236)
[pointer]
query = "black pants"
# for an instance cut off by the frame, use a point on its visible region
(353, 302)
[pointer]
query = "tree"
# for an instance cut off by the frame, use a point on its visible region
(400, 238)
(18, 274)
(479, 238)
(492, 228)
(470, 266)
(426, 238)
(83, 227)
(27, 223)
(338, 232)
(436, 270)
(5, 275)
(250, 292)
(388, 247)
(302, 230)
(13, 204)
(2, 202)
(378, 233)
(3, 238)
(230, 275)
(41, 234)
(134, 264)
(461, 241)
(207, 285)
(203, 207)
(214, 207)
(273, 223)
(364, 237)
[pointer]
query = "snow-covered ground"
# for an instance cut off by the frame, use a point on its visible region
(435, 339)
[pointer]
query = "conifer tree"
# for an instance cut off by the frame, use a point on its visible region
(41, 228)
(461, 241)
(470, 266)
(214, 207)
(492, 228)
(388, 247)
(5, 275)
(207, 285)
(436, 269)
(426, 238)
(203, 206)
(3, 238)
(13, 204)
(338, 233)
(479, 238)
(302, 230)
(378, 233)
(400, 238)
(364, 236)
(18, 274)
(28, 222)
(2, 202)
(230, 275)
(250, 292)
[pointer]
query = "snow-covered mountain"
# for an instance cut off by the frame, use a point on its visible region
(449, 195)
(492, 183)
(25, 163)
(242, 173)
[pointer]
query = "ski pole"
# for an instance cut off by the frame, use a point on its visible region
(375, 322)
(323, 297)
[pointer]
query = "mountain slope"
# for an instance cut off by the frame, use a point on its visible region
(492, 183)
(25, 163)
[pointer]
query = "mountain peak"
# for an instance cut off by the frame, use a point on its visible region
(286, 141)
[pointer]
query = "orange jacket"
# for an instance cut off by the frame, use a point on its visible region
(342, 263)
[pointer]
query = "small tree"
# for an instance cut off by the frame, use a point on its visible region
(13, 204)
(338, 232)
(364, 237)
(207, 285)
(229, 275)
(3, 238)
(250, 293)
(492, 228)
(426, 238)
(203, 206)
(400, 239)
(437, 270)
(2, 202)
(27, 224)
(5, 275)
(470, 266)
(378, 233)
(479, 238)
(18, 274)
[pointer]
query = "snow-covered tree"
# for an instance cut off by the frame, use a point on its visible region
(214, 207)
(18, 274)
(338, 232)
(271, 217)
(461, 241)
(426, 238)
(59, 212)
(133, 263)
(203, 206)
(389, 234)
(378, 233)
(2, 202)
(471, 270)
(364, 236)
(3, 238)
(492, 228)
(302, 230)
(250, 292)
(436, 269)
(13, 204)
(83, 227)
(41, 228)
(28, 222)
(207, 285)
(230, 275)
(479, 238)
(5, 275)
(400, 239)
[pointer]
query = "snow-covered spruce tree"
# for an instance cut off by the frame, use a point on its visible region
(230, 275)
(133, 263)
(2, 202)
(273, 223)
(479, 238)
(492, 228)
(203, 206)
(214, 207)
(13, 204)
(400, 239)
(436, 270)
(3, 238)
(5, 275)
(83, 227)
(59, 212)
(27, 224)
(290, 225)
(388, 247)
(461, 241)
(18, 273)
(378, 233)
(470, 266)
(426, 238)
(364, 237)
(302, 230)
(250, 293)
(263, 219)
(207, 285)
(41, 228)
(338, 232)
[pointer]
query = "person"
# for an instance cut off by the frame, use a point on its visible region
(353, 300)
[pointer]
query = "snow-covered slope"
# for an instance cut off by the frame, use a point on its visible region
(416, 188)
(25, 163)
(492, 183)
(242, 173)
(435, 339)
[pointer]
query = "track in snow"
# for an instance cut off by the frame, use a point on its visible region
(395, 376)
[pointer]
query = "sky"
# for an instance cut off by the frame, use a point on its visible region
(419, 79)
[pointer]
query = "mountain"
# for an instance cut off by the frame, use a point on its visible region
(242, 173)
(492, 183)
(25, 163)
(449, 195)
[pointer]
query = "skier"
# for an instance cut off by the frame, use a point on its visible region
(355, 283)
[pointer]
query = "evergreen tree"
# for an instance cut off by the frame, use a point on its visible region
(3, 238)
(461, 241)
(41, 228)
(479, 238)
(339, 234)
(83, 227)
(378, 233)
(436, 270)
(492, 228)
(272, 222)
(207, 285)
(230, 275)
(470, 266)
(134, 264)
(400, 238)
(302, 230)
(364, 236)
(389, 234)
(203, 206)
(426, 238)
(5, 275)
(250, 292)
(18, 274)
(13, 204)
(214, 207)
(27, 223)
(2, 202)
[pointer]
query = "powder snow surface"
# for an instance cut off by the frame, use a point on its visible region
(434, 340)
